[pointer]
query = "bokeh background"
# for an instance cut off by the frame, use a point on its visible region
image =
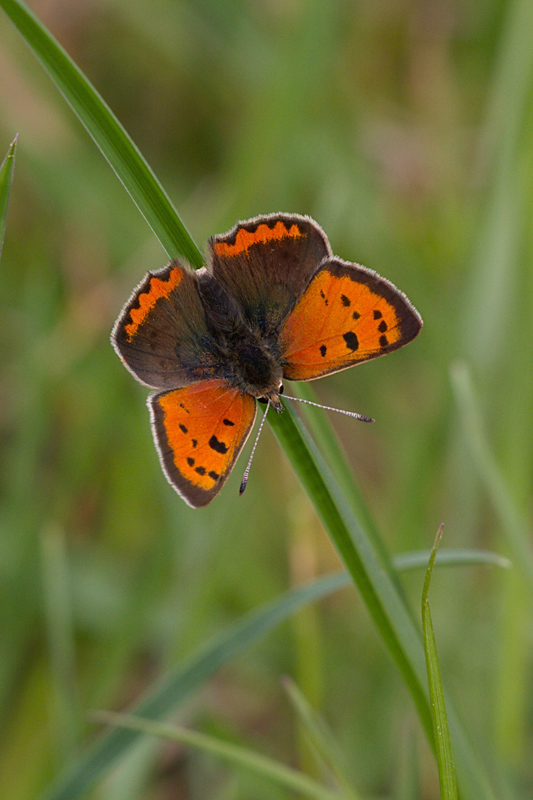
(405, 128)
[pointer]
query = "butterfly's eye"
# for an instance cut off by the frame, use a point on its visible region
(280, 390)
(263, 400)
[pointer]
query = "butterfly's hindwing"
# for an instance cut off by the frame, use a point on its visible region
(199, 431)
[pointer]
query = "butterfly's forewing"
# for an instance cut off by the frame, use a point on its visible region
(162, 335)
(347, 314)
(199, 431)
(265, 264)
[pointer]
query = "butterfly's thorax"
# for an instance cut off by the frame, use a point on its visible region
(248, 361)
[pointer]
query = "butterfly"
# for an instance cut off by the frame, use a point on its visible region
(272, 303)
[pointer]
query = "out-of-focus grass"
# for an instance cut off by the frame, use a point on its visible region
(378, 120)
(6, 181)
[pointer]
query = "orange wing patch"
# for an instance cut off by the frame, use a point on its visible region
(262, 234)
(157, 288)
(346, 315)
(199, 432)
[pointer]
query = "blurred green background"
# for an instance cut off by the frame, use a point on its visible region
(405, 128)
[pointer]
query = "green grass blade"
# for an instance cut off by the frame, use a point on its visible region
(329, 444)
(384, 604)
(320, 738)
(234, 754)
(513, 524)
(381, 598)
(181, 682)
(450, 558)
(107, 132)
(6, 181)
(441, 732)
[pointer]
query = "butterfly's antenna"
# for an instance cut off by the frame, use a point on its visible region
(247, 470)
(353, 414)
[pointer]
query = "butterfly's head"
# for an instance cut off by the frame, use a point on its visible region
(273, 397)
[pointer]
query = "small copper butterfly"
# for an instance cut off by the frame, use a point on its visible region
(273, 303)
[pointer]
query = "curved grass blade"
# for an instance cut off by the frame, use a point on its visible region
(181, 682)
(449, 558)
(441, 732)
(6, 181)
(107, 132)
(232, 753)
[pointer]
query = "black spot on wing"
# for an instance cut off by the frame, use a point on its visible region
(323, 350)
(352, 342)
(183, 428)
(214, 475)
(377, 314)
(356, 315)
(200, 470)
(217, 445)
(346, 300)
(228, 422)
(194, 442)
(383, 341)
(190, 462)
(382, 327)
